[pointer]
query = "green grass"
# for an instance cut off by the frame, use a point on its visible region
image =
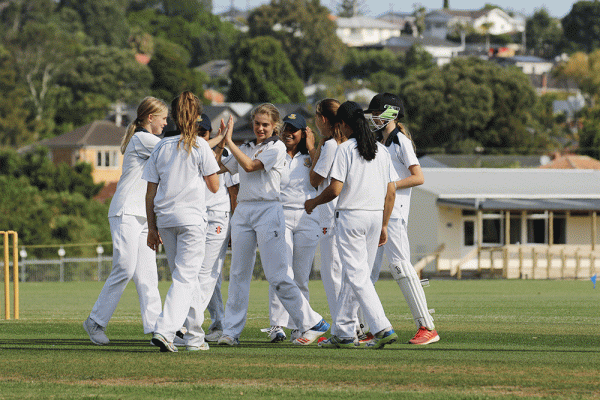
(499, 340)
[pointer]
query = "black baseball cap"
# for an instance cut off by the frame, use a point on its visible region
(295, 120)
(380, 100)
(203, 122)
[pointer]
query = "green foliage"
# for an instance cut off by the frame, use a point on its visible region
(49, 204)
(544, 34)
(306, 33)
(171, 75)
(261, 72)
(103, 21)
(581, 26)
(589, 134)
(470, 99)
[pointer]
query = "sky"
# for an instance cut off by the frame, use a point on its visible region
(374, 8)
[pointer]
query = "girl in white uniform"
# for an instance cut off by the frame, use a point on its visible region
(132, 259)
(258, 219)
(176, 172)
(331, 267)
(363, 178)
(301, 229)
(385, 110)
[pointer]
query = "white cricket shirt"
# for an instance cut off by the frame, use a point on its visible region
(323, 168)
(403, 156)
(180, 198)
(130, 196)
(295, 181)
(365, 182)
(265, 184)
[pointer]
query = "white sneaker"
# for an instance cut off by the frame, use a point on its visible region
(214, 336)
(228, 340)
(161, 342)
(203, 346)
(295, 334)
(95, 331)
(313, 333)
(275, 333)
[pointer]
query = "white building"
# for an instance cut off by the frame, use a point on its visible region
(364, 31)
(440, 23)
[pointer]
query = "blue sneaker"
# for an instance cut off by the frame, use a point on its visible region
(313, 333)
(381, 339)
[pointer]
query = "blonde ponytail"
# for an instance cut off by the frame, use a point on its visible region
(185, 111)
(149, 106)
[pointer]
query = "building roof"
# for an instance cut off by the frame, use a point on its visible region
(572, 161)
(510, 183)
(98, 133)
(406, 41)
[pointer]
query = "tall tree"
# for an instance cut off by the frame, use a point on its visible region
(470, 100)
(306, 33)
(104, 21)
(544, 34)
(585, 70)
(581, 26)
(261, 72)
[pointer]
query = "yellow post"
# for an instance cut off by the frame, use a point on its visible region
(16, 275)
(563, 257)
(6, 278)
(15, 252)
(506, 243)
(594, 219)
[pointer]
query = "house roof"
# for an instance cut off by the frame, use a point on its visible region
(515, 188)
(511, 183)
(572, 161)
(98, 133)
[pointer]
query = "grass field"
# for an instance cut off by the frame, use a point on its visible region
(499, 340)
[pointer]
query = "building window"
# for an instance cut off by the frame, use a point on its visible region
(107, 158)
(469, 232)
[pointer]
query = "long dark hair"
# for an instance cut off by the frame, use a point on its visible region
(328, 109)
(352, 114)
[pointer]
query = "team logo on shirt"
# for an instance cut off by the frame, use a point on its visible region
(307, 162)
(324, 231)
(219, 229)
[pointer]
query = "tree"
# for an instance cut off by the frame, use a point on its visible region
(104, 21)
(100, 76)
(171, 72)
(306, 33)
(544, 34)
(261, 72)
(581, 26)
(589, 134)
(360, 64)
(585, 70)
(350, 8)
(468, 101)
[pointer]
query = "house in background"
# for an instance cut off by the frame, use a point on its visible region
(97, 143)
(440, 23)
(481, 161)
(536, 223)
(365, 31)
(441, 50)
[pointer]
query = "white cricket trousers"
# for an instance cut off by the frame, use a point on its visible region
(217, 238)
(262, 223)
(396, 249)
(358, 233)
(132, 259)
(331, 269)
(184, 248)
(301, 238)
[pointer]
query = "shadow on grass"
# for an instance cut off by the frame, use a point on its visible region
(144, 346)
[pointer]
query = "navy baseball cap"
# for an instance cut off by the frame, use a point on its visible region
(203, 122)
(295, 120)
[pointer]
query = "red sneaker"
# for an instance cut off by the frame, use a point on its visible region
(425, 336)
(365, 337)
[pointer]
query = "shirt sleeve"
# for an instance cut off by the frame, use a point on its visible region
(340, 166)
(407, 152)
(143, 144)
(231, 180)
(271, 154)
(208, 163)
(150, 172)
(231, 164)
(325, 161)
